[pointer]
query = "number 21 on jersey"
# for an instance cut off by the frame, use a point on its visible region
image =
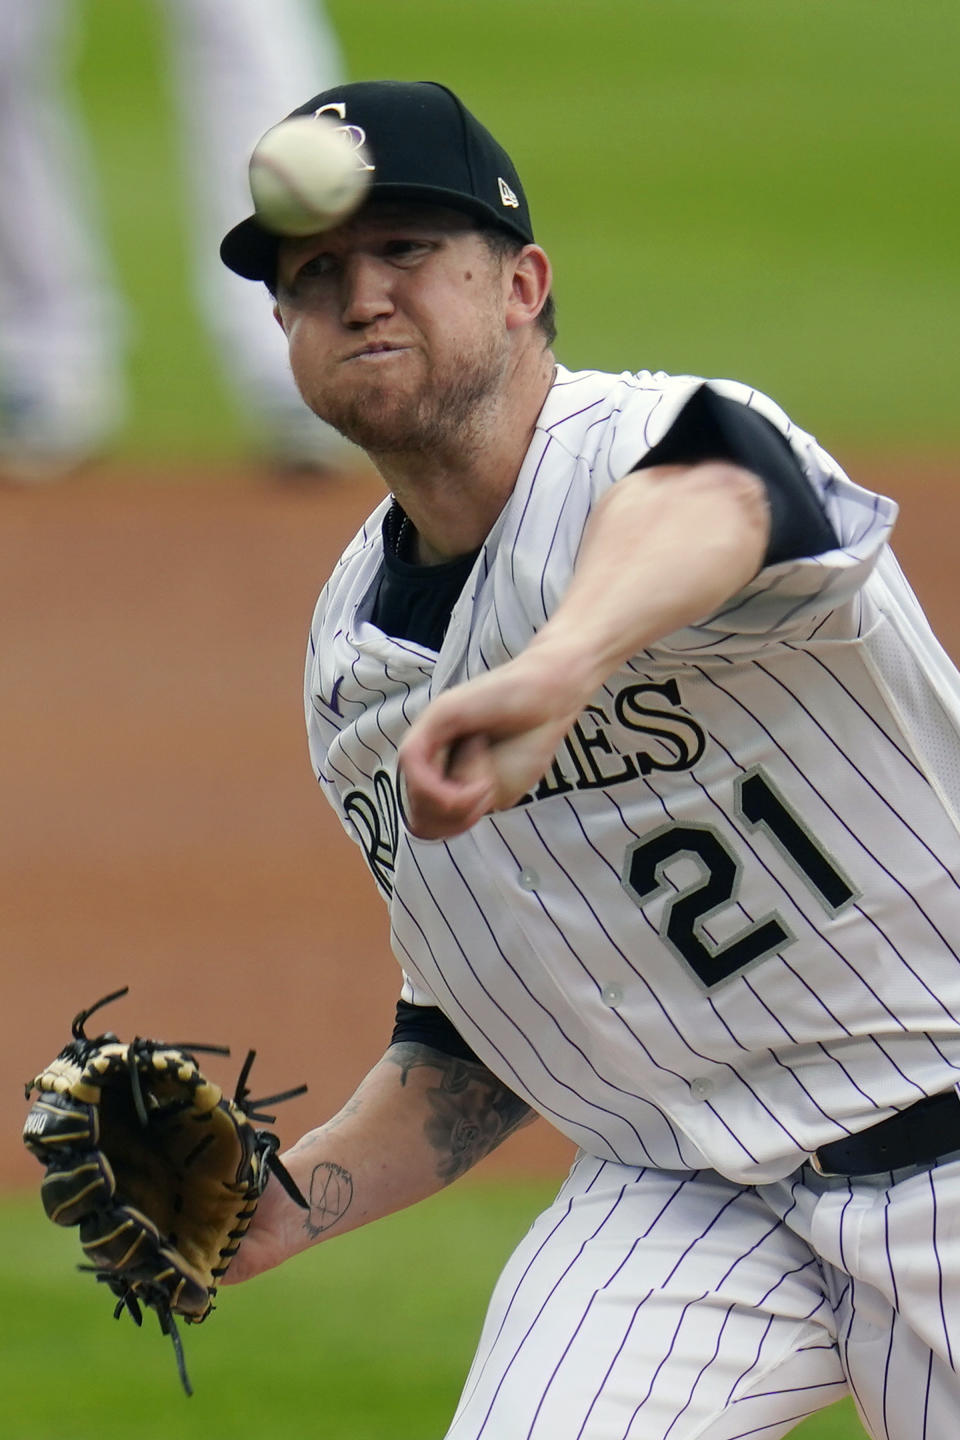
(687, 912)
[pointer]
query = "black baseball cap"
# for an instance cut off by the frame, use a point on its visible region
(424, 145)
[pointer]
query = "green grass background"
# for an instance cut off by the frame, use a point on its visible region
(757, 188)
(763, 189)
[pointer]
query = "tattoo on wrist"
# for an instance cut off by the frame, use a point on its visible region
(472, 1112)
(330, 1196)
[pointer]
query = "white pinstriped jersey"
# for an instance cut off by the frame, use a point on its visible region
(724, 930)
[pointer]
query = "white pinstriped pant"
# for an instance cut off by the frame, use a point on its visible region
(661, 1305)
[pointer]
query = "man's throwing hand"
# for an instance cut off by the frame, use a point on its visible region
(481, 746)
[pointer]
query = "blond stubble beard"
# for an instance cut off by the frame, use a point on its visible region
(446, 410)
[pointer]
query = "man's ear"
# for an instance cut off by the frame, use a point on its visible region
(278, 317)
(530, 283)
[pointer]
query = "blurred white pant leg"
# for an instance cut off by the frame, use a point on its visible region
(238, 68)
(62, 323)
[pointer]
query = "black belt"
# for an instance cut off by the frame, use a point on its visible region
(919, 1135)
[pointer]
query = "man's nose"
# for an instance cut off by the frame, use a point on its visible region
(365, 292)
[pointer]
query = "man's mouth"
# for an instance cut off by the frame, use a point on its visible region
(375, 349)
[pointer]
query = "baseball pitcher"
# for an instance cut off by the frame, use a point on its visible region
(653, 758)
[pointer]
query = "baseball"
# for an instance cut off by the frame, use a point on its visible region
(306, 175)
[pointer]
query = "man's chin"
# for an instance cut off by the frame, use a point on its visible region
(380, 424)
(375, 435)
(407, 408)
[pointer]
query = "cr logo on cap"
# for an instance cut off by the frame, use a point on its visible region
(356, 134)
(507, 197)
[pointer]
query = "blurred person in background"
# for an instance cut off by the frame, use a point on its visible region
(63, 331)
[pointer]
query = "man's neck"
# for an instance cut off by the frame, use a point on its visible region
(454, 497)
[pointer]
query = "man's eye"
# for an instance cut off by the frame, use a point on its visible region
(319, 265)
(403, 249)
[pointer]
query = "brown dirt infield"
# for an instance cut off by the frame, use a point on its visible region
(161, 826)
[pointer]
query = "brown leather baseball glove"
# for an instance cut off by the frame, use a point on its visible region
(161, 1171)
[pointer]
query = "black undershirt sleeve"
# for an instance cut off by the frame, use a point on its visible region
(713, 427)
(427, 1025)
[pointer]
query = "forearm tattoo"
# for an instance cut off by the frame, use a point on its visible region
(330, 1195)
(472, 1112)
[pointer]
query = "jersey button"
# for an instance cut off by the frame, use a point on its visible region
(701, 1088)
(528, 879)
(611, 995)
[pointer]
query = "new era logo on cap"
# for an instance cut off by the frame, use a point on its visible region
(507, 196)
